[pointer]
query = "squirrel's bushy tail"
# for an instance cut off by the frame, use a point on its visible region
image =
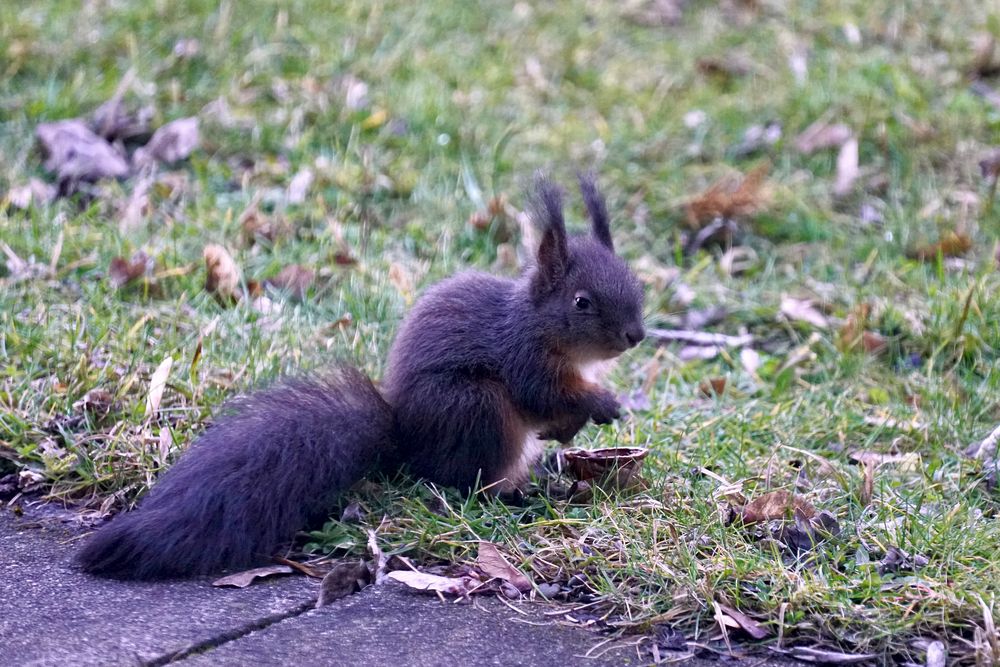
(274, 461)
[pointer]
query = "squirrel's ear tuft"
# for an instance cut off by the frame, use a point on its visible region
(597, 210)
(553, 255)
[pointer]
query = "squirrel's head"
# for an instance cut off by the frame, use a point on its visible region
(584, 292)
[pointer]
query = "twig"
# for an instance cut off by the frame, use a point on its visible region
(699, 338)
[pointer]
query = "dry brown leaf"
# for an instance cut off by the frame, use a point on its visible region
(121, 271)
(402, 281)
(728, 66)
(173, 142)
(712, 387)
(422, 581)
(847, 168)
(74, 153)
(803, 310)
(223, 276)
(343, 580)
(97, 402)
(247, 577)
(730, 198)
(295, 279)
(778, 504)
(114, 122)
(744, 622)
(951, 244)
(854, 334)
(494, 565)
(821, 135)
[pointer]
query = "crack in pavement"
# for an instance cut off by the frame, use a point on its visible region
(230, 636)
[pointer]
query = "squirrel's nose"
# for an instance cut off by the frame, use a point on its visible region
(634, 334)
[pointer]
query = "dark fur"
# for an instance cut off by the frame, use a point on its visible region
(479, 364)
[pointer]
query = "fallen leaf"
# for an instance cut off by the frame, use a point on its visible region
(247, 577)
(695, 320)
(951, 244)
(731, 197)
(636, 400)
(299, 186)
(157, 383)
(738, 260)
(402, 281)
(343, 580)
(712, 387)
(114, 122)
(804, 533)
(778, 504)
(494, 565)
(422, 581)
(847, 168)
(294, 279)
(34, 192)
(137, 208)
(986, 449)
(757, 138)
(97, 402)
(121, 271)
(899, 560)
(937, 654)
(821, 135)
(312, 571)
(803, 310)
(19, 269)
(171, 143)
(745, 623)
(854, 335)
(223, 276)
(728, 66)
(74, 153)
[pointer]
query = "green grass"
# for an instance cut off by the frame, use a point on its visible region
(465, 101)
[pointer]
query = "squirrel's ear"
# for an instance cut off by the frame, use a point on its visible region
(553, 256)
(597, 210)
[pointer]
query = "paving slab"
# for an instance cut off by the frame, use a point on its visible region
(390, 625)
(51, 614)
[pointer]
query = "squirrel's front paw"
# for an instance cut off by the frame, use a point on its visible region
(605, 408)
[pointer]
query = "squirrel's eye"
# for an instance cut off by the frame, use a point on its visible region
(582, 303)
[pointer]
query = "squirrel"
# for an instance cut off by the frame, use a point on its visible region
(482, 371)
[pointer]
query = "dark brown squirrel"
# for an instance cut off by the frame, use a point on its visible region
(482, 370)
